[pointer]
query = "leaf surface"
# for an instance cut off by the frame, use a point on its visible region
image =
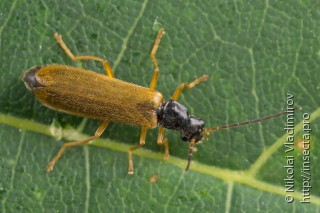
(255, 53)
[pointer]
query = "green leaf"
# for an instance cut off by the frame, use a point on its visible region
(254, 53)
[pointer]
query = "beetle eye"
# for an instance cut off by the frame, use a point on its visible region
(184, 135)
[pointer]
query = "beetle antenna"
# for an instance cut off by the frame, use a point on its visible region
(191, 147)
(209, 130)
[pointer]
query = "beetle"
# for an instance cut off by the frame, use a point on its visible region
(89, 94)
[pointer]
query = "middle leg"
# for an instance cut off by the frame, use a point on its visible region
(163, 141)
(142, 142)
(154, 60)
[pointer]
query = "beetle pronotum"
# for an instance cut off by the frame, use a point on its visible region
(86, 93)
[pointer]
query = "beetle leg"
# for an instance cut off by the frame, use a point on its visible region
(143, 135)
(142, 142)
(154, 60)
(105, 63)
(97, 134)
(182, 86)
(160, 136)
(166, 149)
(163, 141)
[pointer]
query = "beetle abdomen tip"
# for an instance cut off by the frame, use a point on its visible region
(29, 78)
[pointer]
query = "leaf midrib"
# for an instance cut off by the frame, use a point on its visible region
(231, 176)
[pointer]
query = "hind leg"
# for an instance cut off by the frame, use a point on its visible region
(104, 62)
(97, 134)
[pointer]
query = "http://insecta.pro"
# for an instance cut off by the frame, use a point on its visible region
(86, 93)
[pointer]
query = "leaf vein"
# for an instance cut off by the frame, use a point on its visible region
(130, 32)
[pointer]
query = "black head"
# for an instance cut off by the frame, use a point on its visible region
(193, 130)
(175, 116)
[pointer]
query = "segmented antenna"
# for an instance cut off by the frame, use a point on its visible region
(210, 130)
(191, 147)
